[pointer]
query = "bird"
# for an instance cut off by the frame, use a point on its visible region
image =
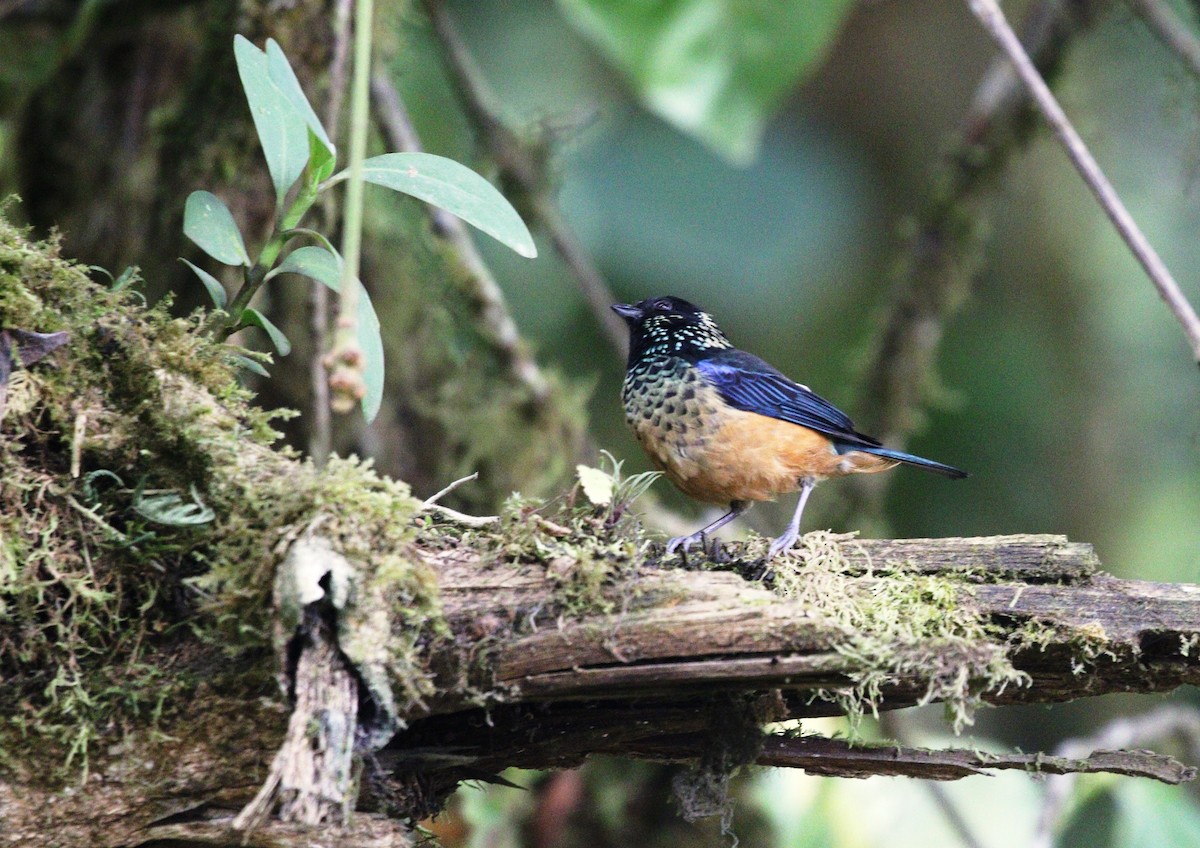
(727, 427)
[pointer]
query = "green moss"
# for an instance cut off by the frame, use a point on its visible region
(107, 618)
(907, 627)
(592, 554)
(89, 590)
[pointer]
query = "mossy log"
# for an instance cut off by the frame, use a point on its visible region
(206, 641)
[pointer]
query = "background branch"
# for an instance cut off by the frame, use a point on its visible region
(1147, 729)
(495, 320)
(524, 167)
(1170, 30)
(320, 441)
(894, 726)
(346, 374)
(942, 252)
(989, 14)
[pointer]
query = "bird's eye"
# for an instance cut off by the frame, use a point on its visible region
(662, 303)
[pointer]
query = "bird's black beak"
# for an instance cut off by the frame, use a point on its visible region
(627, 311)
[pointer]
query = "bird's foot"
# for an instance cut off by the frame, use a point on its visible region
(783, 543)
(685, 542)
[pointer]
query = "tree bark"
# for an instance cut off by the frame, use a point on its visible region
(705, 658)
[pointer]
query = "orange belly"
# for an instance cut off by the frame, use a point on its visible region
(744, 456)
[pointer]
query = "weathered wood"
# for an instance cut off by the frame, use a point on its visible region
(365, 831)
(312, 775)
(818, 755)
(653, 676)
(1029, 558)
(713, 631)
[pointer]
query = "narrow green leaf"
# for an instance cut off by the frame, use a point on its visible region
(315, 262)
(716, 69)
(326, 267)
(319, 238)
(321, 161)
(216, 291)
(99, 269)
(131, 275)
(370, 339)
(90, 493)
(254, 318)
(282, 129)
(289, 86)
(208, 222)
(250, 364)
(455, 188)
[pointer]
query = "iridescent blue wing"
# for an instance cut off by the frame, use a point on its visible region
(748, 383)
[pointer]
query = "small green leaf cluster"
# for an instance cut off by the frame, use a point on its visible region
(302, 161)
(606, 487)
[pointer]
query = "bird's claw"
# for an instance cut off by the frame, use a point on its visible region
(781, 544)
(685, 542)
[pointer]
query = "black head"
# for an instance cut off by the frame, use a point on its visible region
(670, 326)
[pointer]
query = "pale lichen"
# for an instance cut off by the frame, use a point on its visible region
(909, 628)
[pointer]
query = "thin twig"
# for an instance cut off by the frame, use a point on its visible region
(337, 67)
(77, 443)
(1170, 30)
(551, 527)
(495, 319)
(591, 282)
(989, 14)
(1122, 733)
(464, 519)
(951, 813)
(430, 501)
(321, 439)
(895, 726)
(431, 504)
(97, 520)
(526, 170)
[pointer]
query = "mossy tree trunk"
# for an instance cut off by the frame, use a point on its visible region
(325, 651)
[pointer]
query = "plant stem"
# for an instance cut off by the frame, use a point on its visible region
(320, 443)
(347, 383)
(257, 274)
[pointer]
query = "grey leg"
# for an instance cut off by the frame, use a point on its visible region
(735, 509)
(793, 531)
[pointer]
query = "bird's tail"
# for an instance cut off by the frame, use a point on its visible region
(915, 461)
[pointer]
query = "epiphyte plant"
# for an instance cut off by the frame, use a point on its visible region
(302, 160)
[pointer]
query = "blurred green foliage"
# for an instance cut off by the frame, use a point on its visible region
(714, 68)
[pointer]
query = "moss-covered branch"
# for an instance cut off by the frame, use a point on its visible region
(187, 612)
(873, 624)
